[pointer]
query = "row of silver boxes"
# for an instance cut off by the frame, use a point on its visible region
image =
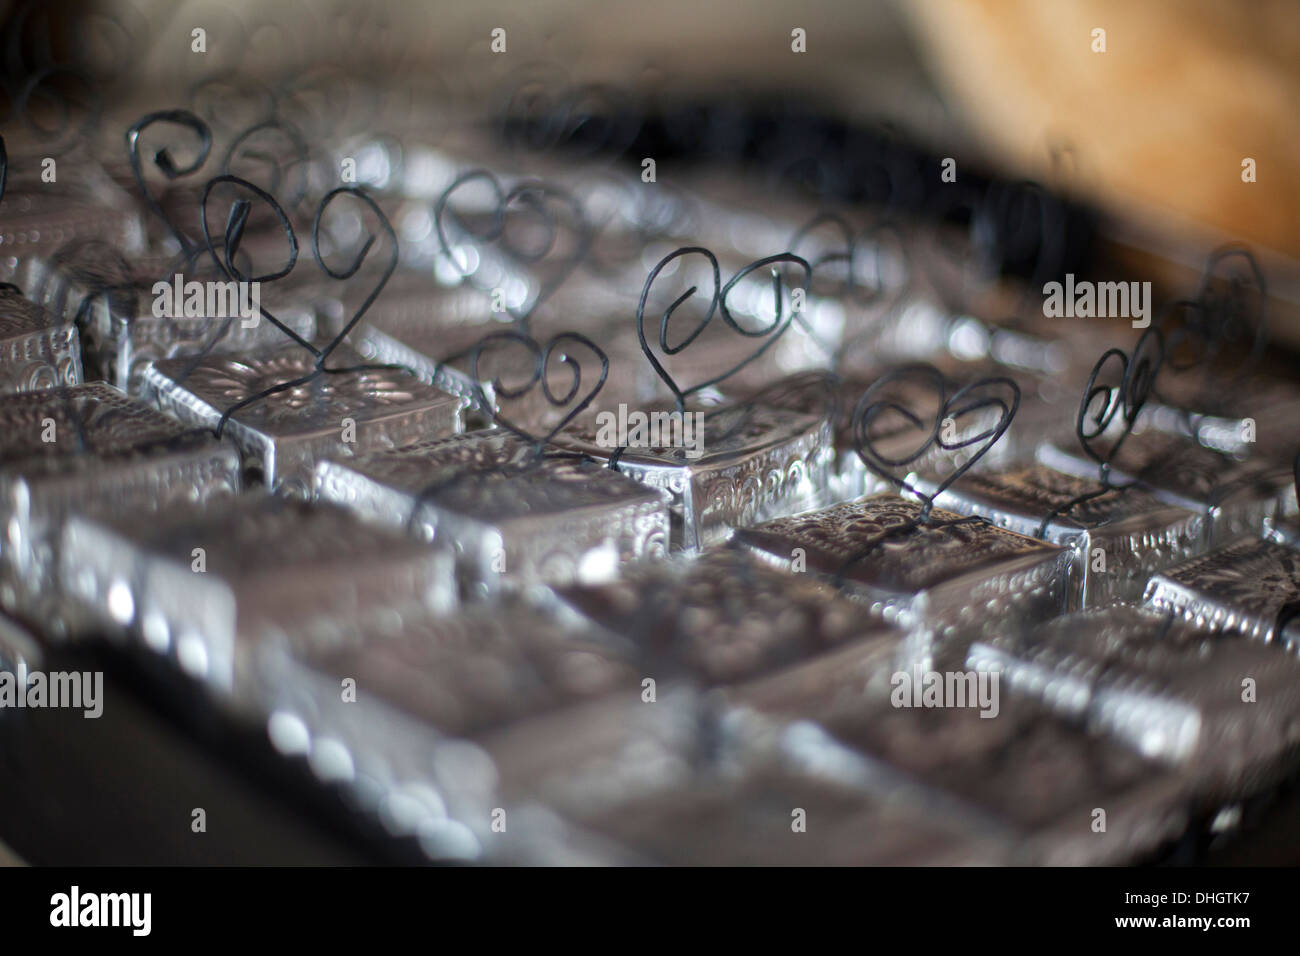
(344, 637)
(662, 715)
(514, 653)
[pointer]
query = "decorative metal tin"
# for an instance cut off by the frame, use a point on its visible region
(1249, 587)
(90, 449)
(1234, 496)
(1013, 772)
(951, 579)
(36, 224)
(113, 304)
(208, 586)
(513, 517)
(756, 463)
(723, 616)
(36, 349)
(1225, 710)
(283, 435)
(1118, 537)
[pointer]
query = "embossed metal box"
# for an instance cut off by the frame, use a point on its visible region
(948, 582)
(1225, 710)
(424, 684)
(129, 345)
(1234, 496)
(511, 517)
(36, 224)
(90, 449)
(1249, 587)
(37, 350)
(750, 819)
(1012, 771)
(756, 462)
(724, 616)
(1119, 538)
(428, 331)
(283, 435)
(460, 674)
(206, 585)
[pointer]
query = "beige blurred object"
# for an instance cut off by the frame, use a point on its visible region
(1184, 92)
(9, 858)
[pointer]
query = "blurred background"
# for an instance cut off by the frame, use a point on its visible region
(1147, 113)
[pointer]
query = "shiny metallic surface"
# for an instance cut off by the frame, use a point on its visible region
(1119, 538)
(37, 350)
(946, 584)
(282, 435)
(207, 586)
(1222, 710)
(513, 519)
(757, 463)
(89, 449)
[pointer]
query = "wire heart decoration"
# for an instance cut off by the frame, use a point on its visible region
(772, 332)
(530, 197)
(542, 355)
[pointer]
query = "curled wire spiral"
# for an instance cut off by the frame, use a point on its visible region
(973, 399)
(529, 198)
(770, 333)
(1215, 323)
(977, 398)
(163, 160)
(560, 345)
(1102, 404)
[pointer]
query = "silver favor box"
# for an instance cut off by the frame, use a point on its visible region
(513, 518)
(1234, 496)
(37, 349)
(90, 449)
(1004, 768)
(1119, 537)
(754, 462)
(1224, 711)
(208, 586)
(1249, 587)
(723, 616)
(283, 435)
(948, 581)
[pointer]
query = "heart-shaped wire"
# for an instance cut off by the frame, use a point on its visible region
(541, 360)
(1230, 313)
(279, 170)
(535, 195)
(972, 399)
(717, 302)
(1101, 403)
(232, 236)
(162, 158)
(350, 271)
